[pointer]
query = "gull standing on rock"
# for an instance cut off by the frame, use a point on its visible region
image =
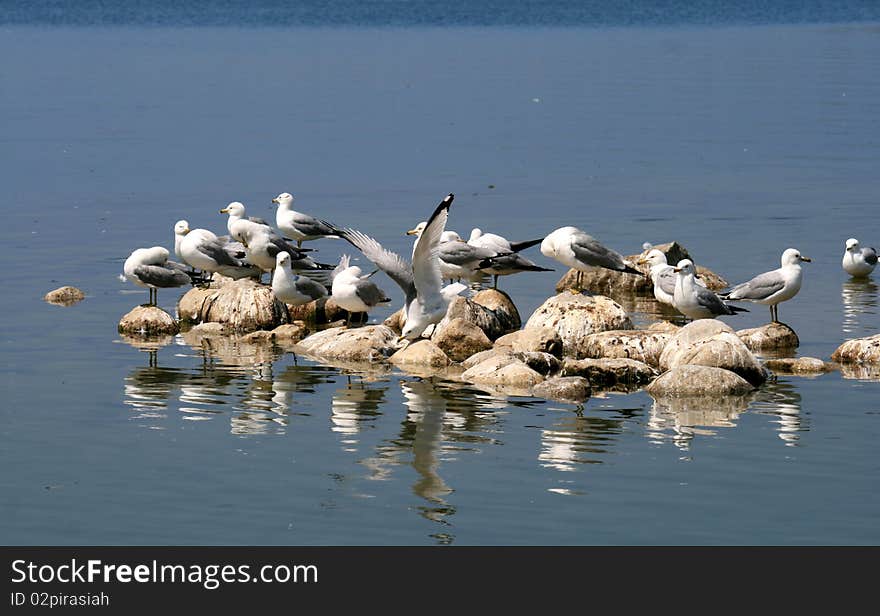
(150, 268)
(291, 288)
(663, 276)
(353, 290)
(202, 250)
(506, 261)
(458, 259)
(694, 301)
(426, 302)
(574, 248)
(771, 288)
(857, 261)
(298, 226)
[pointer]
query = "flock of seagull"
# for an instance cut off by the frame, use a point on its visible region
(253, 247)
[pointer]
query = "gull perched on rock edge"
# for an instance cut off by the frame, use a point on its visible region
(202, 250)
(291, 288)
(662, 276)
(354, 291)
(694, 301)
(150, 268)
(771, 288)
(426, 302)
(580, 251)
(857, 261)
(297, 225)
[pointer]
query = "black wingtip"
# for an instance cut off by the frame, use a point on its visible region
(735, 309)
(632, 270)
(519, 246)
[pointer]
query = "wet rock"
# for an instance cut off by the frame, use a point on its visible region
(482, 356)
(322, 312)
(148, 321)
(459, 339)
(290, 332)
(64, 296)
(690, 334)
(642, 346)
(503, 308)
(861, 372)
(208, 329)
(610, 372)
(370, 343)
(500, 371)
(576, 316)
(768, 337)
(420, 353)
(723, 349)
(565, 389)
(690, 380)
(542, 363)
(243, 305)
(532, 339)
(858, 350)
(258, 336)
(801, 365)
(664, 326)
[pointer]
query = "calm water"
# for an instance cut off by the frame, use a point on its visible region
(737, 135)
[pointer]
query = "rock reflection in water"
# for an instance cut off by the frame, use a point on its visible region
(680, 420)
(356, 406)
(859, 298)
(780, 400)
(579, 439)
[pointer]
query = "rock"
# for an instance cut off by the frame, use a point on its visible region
(420, 353)
(395, 321)
(858, 350)
(576, 316)
(370, 343)
(664, 326)
(323, 311)
(257, 337)
(709, 342)
(148, 321)
(208, 329)
(862, 372)
(542, 363)
(475, 359)
(801, 365)
(502, 306)
(643, 346)
(491, 310)
(501, 371)
(459, 339)
(243, 305)
(567, 388)
(610, 372)
(64, 296)
(690, 380)
(532, 339)
(291, 332)
(769, 337)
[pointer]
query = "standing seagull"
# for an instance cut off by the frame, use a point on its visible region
(663, 276)
(354, 291)
(458, 259)
(426, 302)
(694, 301)
(202, 250)
(298, 226)
(857, 261)
(574, 248)
(150, 267)
(771, 288)
(291, 288)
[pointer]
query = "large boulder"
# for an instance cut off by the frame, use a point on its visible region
(491, 310)
(564, 389)
(64, 296)
(147, 321)
(532, 339)
(576, 316)
(643, 346)
(420, 353)
(708, 342)
(610, 372)
(371, 343)
(770, 337)
(459, 339)
(243, 305)
(688, 380)
(858, 350)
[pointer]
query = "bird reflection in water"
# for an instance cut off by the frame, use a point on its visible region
(680, 420)
(780, 400)
(355, 407)
(859, 298)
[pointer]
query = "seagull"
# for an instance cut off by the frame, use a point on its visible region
(574, 248)
(150, 267)
(858, 262)
(426, 302)
(771, 288)
(694, 301)
(458, 259)
(202, 250)
(291, 288)
(301, 227)
(663, 276)
(506, 261)
(353, 290)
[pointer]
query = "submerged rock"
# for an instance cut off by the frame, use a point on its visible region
(64, 296)
(801, 365)
(576, 316)
(769, 337)
(708, 342)
(370, 343)
(148, 321)
(610, 372)
(565, 389)
(690, 380)
(290, 332)
(643, 346)
(420, 353)
(243, 305)
(532, 339)
(858, 350)
(460, 339)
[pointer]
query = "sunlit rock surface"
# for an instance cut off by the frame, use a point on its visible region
(149, 321)
(575, 316)
(688, 380)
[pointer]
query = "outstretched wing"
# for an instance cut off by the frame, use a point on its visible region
(426, 264)
(389, 262)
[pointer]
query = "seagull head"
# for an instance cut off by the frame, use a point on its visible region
(852, 244)
(282, 260)
(450, 236)
(685, 267)
(284, 198)
(418, 230)
(792, 256)
(654, 257)
(234, 209)
(181, 227)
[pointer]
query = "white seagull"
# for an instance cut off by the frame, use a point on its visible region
(426, 302)
(506, 261)
(297, 225)
(353, 290)
(694, 301)
(574, 248)
(771, 288)
(857, 261)
(202, 250)
(150, 268)
(291, 288)
(663, 276)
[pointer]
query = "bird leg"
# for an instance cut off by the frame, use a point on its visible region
(299, 243)
(495, 285)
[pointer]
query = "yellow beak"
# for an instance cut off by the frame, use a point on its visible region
(224, 210)
(807, 259)
(275, 200)
(412, 232)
